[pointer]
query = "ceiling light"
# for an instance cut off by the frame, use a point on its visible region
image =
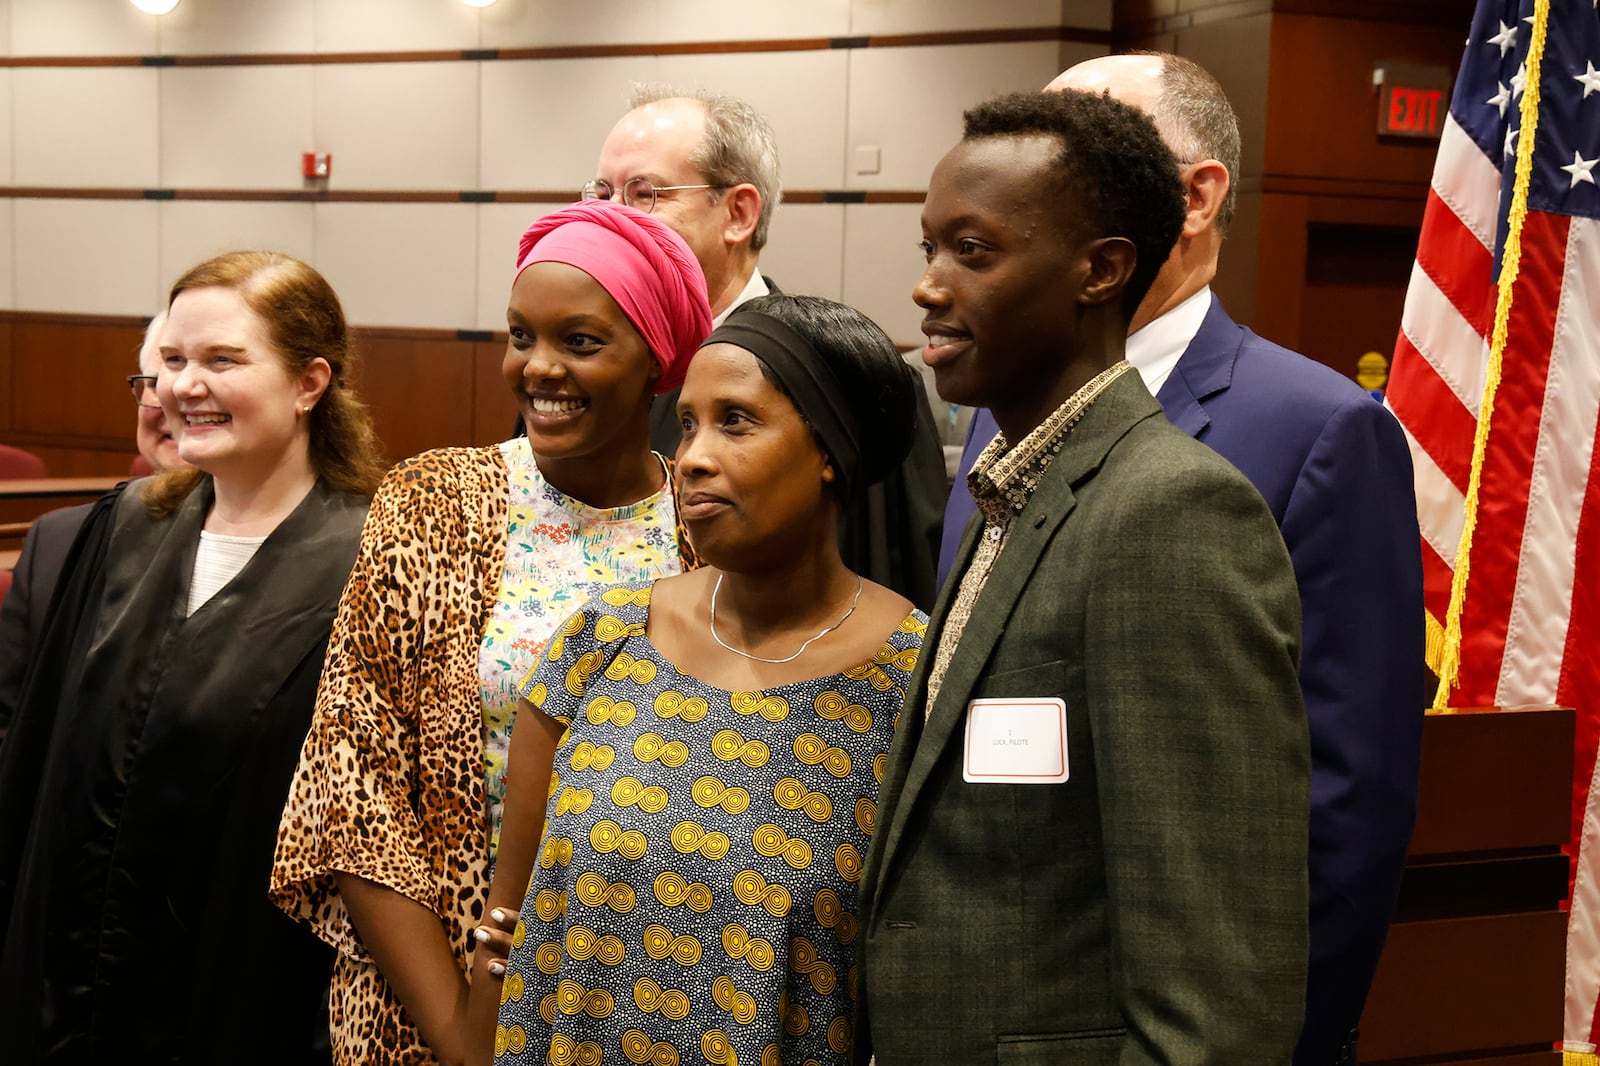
(477, 3)
(154, 7)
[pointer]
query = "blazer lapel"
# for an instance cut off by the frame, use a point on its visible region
(919, 747)
(1205, 369)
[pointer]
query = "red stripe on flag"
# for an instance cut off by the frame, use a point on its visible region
(1433, 413)
(1436, 575)
(1458, 263)
(1508, 465)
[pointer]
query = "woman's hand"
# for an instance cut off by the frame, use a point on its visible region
(494, 941)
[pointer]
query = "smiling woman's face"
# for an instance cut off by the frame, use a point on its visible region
(752, 481)
(225, 387)
(581, 372)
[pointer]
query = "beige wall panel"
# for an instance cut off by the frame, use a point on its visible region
(805, 249)
(500, 227)
(85, 126)
(1069, 53)
(801, 93)
(544, 120)
(400, 264)
(398, 125)
(5, 27)
(235, 127)
(95, 257)
(732, 20)
(908, 101)
(549, 23)
(193, 231)
(231, 27)
(81, 28)
(881, 265)
(7, 262)
(7, 107)
(394, 25)
(922, 16)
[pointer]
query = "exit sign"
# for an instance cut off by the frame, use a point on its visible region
(1412, 100)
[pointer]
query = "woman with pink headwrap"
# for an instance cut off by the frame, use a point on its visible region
(470, 559)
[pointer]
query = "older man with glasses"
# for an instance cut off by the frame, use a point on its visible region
(44, 551)
(707, 165)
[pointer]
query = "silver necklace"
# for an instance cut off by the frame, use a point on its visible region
(789, 658)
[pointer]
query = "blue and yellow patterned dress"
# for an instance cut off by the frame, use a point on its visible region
(695, 896)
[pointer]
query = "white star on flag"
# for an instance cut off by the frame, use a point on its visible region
(1519, 81)
(1590, 80)
(1501, 98)
(1511, 141)
(1581, 169)
(1506, 39)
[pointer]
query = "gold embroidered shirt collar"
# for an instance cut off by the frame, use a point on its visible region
(1004, 478)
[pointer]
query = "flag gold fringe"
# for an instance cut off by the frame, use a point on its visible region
(1433, 650)
(1579, 1058)
(1449, 658)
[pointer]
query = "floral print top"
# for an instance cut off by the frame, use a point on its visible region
(559, 551)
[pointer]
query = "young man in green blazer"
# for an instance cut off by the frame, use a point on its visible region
(1091, 842)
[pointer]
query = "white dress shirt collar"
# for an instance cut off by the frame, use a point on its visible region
(1158, 346)
(756, 286)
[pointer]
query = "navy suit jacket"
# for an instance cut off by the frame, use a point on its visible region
(1334, 468)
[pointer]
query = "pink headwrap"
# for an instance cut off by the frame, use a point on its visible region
(646, 268)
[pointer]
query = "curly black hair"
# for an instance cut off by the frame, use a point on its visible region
(1115, 170)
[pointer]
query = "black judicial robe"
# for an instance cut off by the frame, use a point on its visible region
(141, 788)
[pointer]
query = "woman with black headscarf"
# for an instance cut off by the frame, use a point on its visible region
(724, 730)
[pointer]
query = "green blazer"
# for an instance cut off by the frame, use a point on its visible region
(1152, 908)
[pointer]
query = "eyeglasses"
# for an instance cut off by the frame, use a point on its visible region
(637, 192)
(144, 390)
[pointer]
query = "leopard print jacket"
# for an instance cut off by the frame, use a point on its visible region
(390, 781)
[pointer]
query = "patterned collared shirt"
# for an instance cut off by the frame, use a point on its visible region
(1003, 480)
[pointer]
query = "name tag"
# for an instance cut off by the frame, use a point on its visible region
(1016, 741)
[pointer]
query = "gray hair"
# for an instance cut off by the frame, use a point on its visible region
(150, 350)
(1197, 122)
(739, 146)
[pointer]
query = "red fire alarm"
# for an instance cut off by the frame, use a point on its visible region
(316, 164)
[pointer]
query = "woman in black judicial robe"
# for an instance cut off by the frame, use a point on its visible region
(145, 772)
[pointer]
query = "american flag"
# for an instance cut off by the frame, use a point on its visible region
(1502, 323)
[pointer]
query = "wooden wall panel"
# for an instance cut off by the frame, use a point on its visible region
(494, 411)
(63, 397)
(1322, 109)
(419, 391)
(68, 378)
(8, 387)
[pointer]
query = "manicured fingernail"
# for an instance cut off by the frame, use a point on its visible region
(482, 934)
(497, 968)
(498, 915)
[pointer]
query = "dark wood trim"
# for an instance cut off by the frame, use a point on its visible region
(73, 61)
(46, 192)
(416, 196)
(65, 318)
(1133, 23)
(677, 48)
(1069, 34)
(1073, 34)
(1415, 192)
